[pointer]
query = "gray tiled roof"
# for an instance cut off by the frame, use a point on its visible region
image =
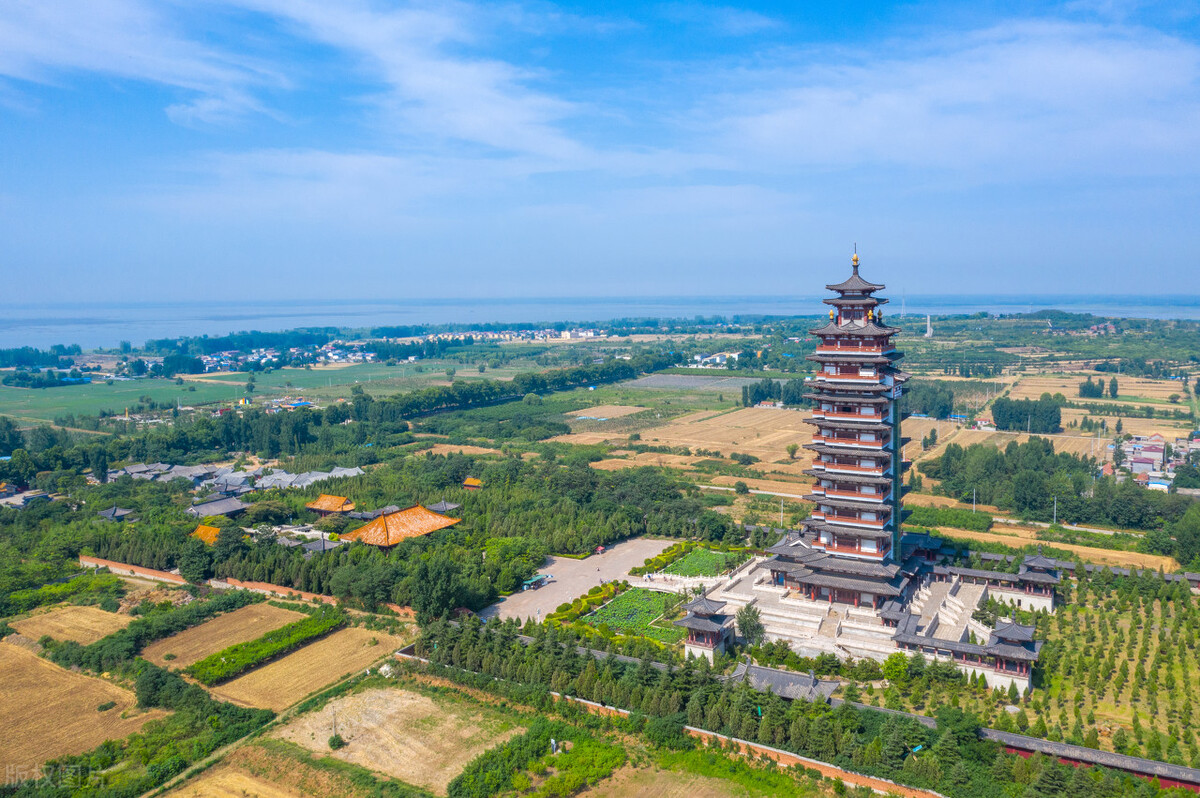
(785, 684)
(219, 507)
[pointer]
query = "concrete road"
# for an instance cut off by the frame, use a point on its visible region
(573, 578)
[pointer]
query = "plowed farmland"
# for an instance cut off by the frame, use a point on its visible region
(288, 680)
(762, 432)
(46, 711)
(403, 734)
(83, 625)
(193, 645)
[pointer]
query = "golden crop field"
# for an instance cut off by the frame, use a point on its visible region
(1133, 425)
(286, 681)
(762, 432)
(404, 734)
(1131, 389)
(1017, 536)
(606, 411)
(1080, 444)
(82, 625)
(453, 448)
(239, 626)
(47, 712)
(259, 771)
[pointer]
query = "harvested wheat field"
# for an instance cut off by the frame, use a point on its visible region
(454, 448)
(927, 500)
(648, 459)
(46, 711)
(762, 432)
(82, 625)
(288, 680)
(261, 771)
(778, 487)
(1084, 445)
(239, 626)
(1131, 390)
(605, 412)
(1134, 425)
(406, 735)
(1017, 536)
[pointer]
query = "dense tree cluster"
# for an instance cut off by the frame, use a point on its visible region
(1042, 415)
(1027, 478)
(930, 398)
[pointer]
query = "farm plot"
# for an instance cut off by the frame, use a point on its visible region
(1134, 425)
(46, 711)
(762, 432)
(82, 625)
(704, 562)
(288, 680)
(406, 735)
(452, 448)
(638, 612)
(648, 459)
(239, 626)
(1074, 444)
(605, 412)
(260, 771)
(1132, 390)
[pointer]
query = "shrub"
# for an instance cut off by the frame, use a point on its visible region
(229, 662)
(336, 742)
(106, 706)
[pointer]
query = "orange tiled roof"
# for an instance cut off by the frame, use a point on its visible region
(330, 504)
(388, 530)
(473, 482)
(208, 534)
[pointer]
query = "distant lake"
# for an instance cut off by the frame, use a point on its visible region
(106, 325)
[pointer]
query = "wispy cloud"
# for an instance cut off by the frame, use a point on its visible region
(725, 20)
(1021, 99)
(43, 42)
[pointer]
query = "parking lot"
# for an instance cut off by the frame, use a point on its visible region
(573, 578)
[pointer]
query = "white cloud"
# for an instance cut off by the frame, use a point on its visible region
(41, 42)
(1023, 99)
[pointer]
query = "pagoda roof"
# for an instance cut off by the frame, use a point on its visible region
(821, 448)
(1009, 630)
(327, 503)
(855, 300)
(1038, 561)
(855, 282)
(848, 531)
(854, 328)
(879, 360)
(833, 563)
(785, 684)
(714, 624)
(206, 534)
(704, 606)
(864, 585)
(390, 529)
(849, 504)
(853, 479)
(842, 424)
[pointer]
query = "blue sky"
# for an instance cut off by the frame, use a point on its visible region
(280, 149)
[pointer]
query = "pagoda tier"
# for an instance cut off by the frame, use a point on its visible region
(857, 441)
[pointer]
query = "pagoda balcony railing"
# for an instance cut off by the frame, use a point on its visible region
(846, 377)
(830, 415)
(839, 441)
(834, 349)
(849, 520)
(833, 493)
(835, 549)
(875, 471)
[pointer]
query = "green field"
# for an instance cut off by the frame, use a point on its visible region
(703, 562)
(634, 613)
(43, 405)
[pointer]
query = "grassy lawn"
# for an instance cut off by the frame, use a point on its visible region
(703, 562)
(636, 612)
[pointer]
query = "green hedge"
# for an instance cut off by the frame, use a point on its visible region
(239, 658)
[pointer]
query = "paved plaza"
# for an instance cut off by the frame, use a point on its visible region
(573, 578)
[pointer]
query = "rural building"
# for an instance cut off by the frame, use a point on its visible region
(390, 529)
(228, 507)
(206, 534)
(115, 513)
(848, 583)
(326, 504)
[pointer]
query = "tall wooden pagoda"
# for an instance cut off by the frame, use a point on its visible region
(853, 535)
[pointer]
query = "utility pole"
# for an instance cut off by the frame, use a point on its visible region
(1056, 510)
(972, 501)
(781, 513)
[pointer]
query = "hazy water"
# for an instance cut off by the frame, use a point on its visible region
(106, 325)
